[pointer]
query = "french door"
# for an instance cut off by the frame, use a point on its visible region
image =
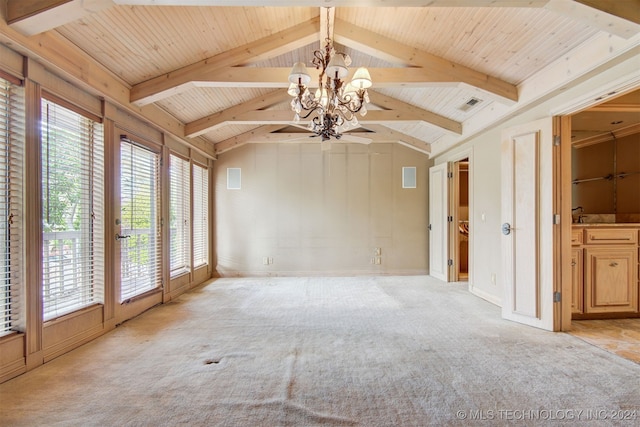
(139, 239)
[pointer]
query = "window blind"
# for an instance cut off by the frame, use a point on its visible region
(140, 256)
(72, 210)
(200, 216)
(179, 205)
(12, 133)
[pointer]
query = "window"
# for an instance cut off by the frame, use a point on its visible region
(179, 205)
(11, 144)
(72, 212)
(200, 216)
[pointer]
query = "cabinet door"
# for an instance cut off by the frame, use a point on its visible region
(577, 283)
(611, 282)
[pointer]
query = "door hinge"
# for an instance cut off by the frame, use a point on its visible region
(556, 219)
(429, 227)
(449, 262)
(449, 218)
(556, 140)
(449, 174)
(557, 297)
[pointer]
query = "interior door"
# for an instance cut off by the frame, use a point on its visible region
(438, 224)
(528, 221)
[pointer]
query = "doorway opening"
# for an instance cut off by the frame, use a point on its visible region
(605, 179)
(461, 228)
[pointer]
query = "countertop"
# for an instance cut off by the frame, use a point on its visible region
(606, 224)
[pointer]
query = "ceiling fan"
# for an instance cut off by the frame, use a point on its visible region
(325, 145)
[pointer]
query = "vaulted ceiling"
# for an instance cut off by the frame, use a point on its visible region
(442, 70)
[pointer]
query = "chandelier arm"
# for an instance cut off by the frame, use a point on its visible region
(310, 111)
(347, 100)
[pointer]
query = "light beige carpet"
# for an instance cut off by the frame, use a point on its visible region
(383, 351)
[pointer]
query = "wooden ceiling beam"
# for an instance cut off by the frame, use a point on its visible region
(30, 17)
(390, 103)
(628, 10)
(383, 47)
(402, 138)
(277, 77)
(244, 138)
(619, 17)
(179, 80)
(205, 124)
(285, 117)
(340, 3)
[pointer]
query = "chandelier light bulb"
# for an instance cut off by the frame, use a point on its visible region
(337, 68)
(361, 79)
(299, 74)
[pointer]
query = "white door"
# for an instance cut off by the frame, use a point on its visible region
(438, 225)
(527, 223)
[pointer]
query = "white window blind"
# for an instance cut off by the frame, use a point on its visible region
(179, 205)
(140, 256)
(72, 210)
(200, 216)
(11, 150)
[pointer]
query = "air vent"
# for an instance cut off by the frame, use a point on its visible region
(471, 103)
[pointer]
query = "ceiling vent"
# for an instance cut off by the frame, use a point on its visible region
(471, 103)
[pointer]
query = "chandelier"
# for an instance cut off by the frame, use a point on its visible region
(335, 103)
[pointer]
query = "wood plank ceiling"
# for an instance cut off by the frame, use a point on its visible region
(222, 70)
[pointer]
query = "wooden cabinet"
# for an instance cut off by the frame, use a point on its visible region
(605, 271)
(576, 237)
(577, 294)
(618, 236)
(611, 283)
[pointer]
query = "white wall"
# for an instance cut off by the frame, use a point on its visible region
(321, 213)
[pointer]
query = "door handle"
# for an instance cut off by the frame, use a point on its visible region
(506, 228)
(119, 237)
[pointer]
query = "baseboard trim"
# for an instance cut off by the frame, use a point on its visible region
(486, 296)
(364, 273)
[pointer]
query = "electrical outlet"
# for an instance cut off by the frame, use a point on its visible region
(265, 260)
(378, 251)
(378, 260)
(270, 260)
(373, 260)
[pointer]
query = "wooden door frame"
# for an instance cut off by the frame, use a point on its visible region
(454, 197)
(562, 238)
